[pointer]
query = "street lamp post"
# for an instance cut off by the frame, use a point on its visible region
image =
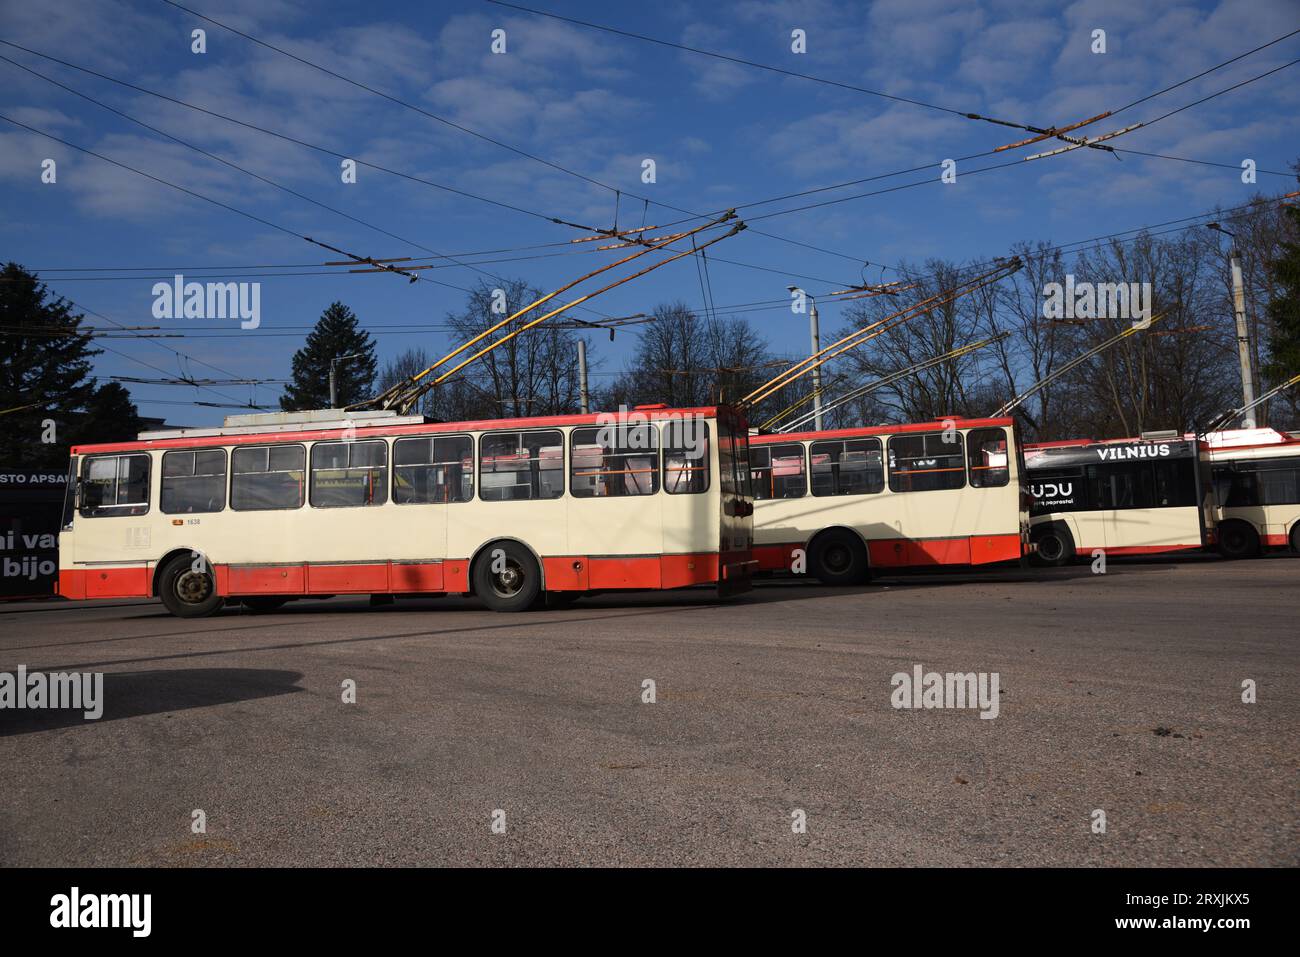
(1243, 339)
(816, 348)
(334, 402)
(582, 375)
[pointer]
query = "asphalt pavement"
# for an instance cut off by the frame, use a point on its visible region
(485, 739)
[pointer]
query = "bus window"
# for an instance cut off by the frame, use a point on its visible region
(1279, 480)
(70, 493)
(986, 455)
(686, 456)
(115, 485)
(267, 477)
(349, 474)
(614, 460)
(516, 466)
(733, 463)
(928, 462)
(437, 469)
(1174, 484)
(847, 467)
(778, 471)
(1259, 482)
(193, 482)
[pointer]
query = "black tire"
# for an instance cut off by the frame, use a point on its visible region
(1295, 537)
(188, 593)
(838, 557)
(1055, 545)
(1238, 539)
(262, 604)
(516, 587)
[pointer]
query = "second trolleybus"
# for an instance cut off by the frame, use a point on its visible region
(845, 502)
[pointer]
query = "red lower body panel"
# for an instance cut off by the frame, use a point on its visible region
(580, 573)
(79, 583)
(1137, 549)
(573, 573)
(910, 552)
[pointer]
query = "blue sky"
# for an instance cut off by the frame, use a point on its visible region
(719, 133)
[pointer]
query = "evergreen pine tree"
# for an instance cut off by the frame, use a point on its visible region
(45, 375)
(336, 334)
(1284, 311)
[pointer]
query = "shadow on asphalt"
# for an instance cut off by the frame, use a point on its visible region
(132, 694)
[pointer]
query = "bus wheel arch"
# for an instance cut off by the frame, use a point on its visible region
(518, 586)
(1238, 539)
(838, 556)
(189, 554)
(1055, 544)
(186, 591)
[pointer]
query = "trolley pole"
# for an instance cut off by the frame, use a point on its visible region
(582, 374)
(1243, 337)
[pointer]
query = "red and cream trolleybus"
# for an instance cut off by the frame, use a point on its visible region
(1256, 474)
(274, 507)
(842, 503)
(1142, 496)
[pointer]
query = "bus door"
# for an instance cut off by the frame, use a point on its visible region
(736, 529)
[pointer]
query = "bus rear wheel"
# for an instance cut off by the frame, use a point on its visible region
(838, 558)
(1295, 537)
(1238, 540)
(1055, 545)
(507, 578)
(188, 588)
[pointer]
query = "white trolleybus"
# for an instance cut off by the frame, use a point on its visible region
(845, 502)
(1256, 475)
(1141, 496)
(518, 512)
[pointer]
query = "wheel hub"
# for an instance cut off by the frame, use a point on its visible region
(837, 558)
(508, 581)
(193, 588)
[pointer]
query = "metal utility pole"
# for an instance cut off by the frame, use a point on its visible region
(334, 403)
(816, 350)
(1243, 337)
(582, 374)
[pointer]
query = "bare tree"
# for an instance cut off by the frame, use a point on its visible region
(533, 373)
(684, 360)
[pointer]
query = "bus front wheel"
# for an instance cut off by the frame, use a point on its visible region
(188, 588)
(838, 558)
(1055, 545)
(1295, 537)
(1238, 540)
(507, 578)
